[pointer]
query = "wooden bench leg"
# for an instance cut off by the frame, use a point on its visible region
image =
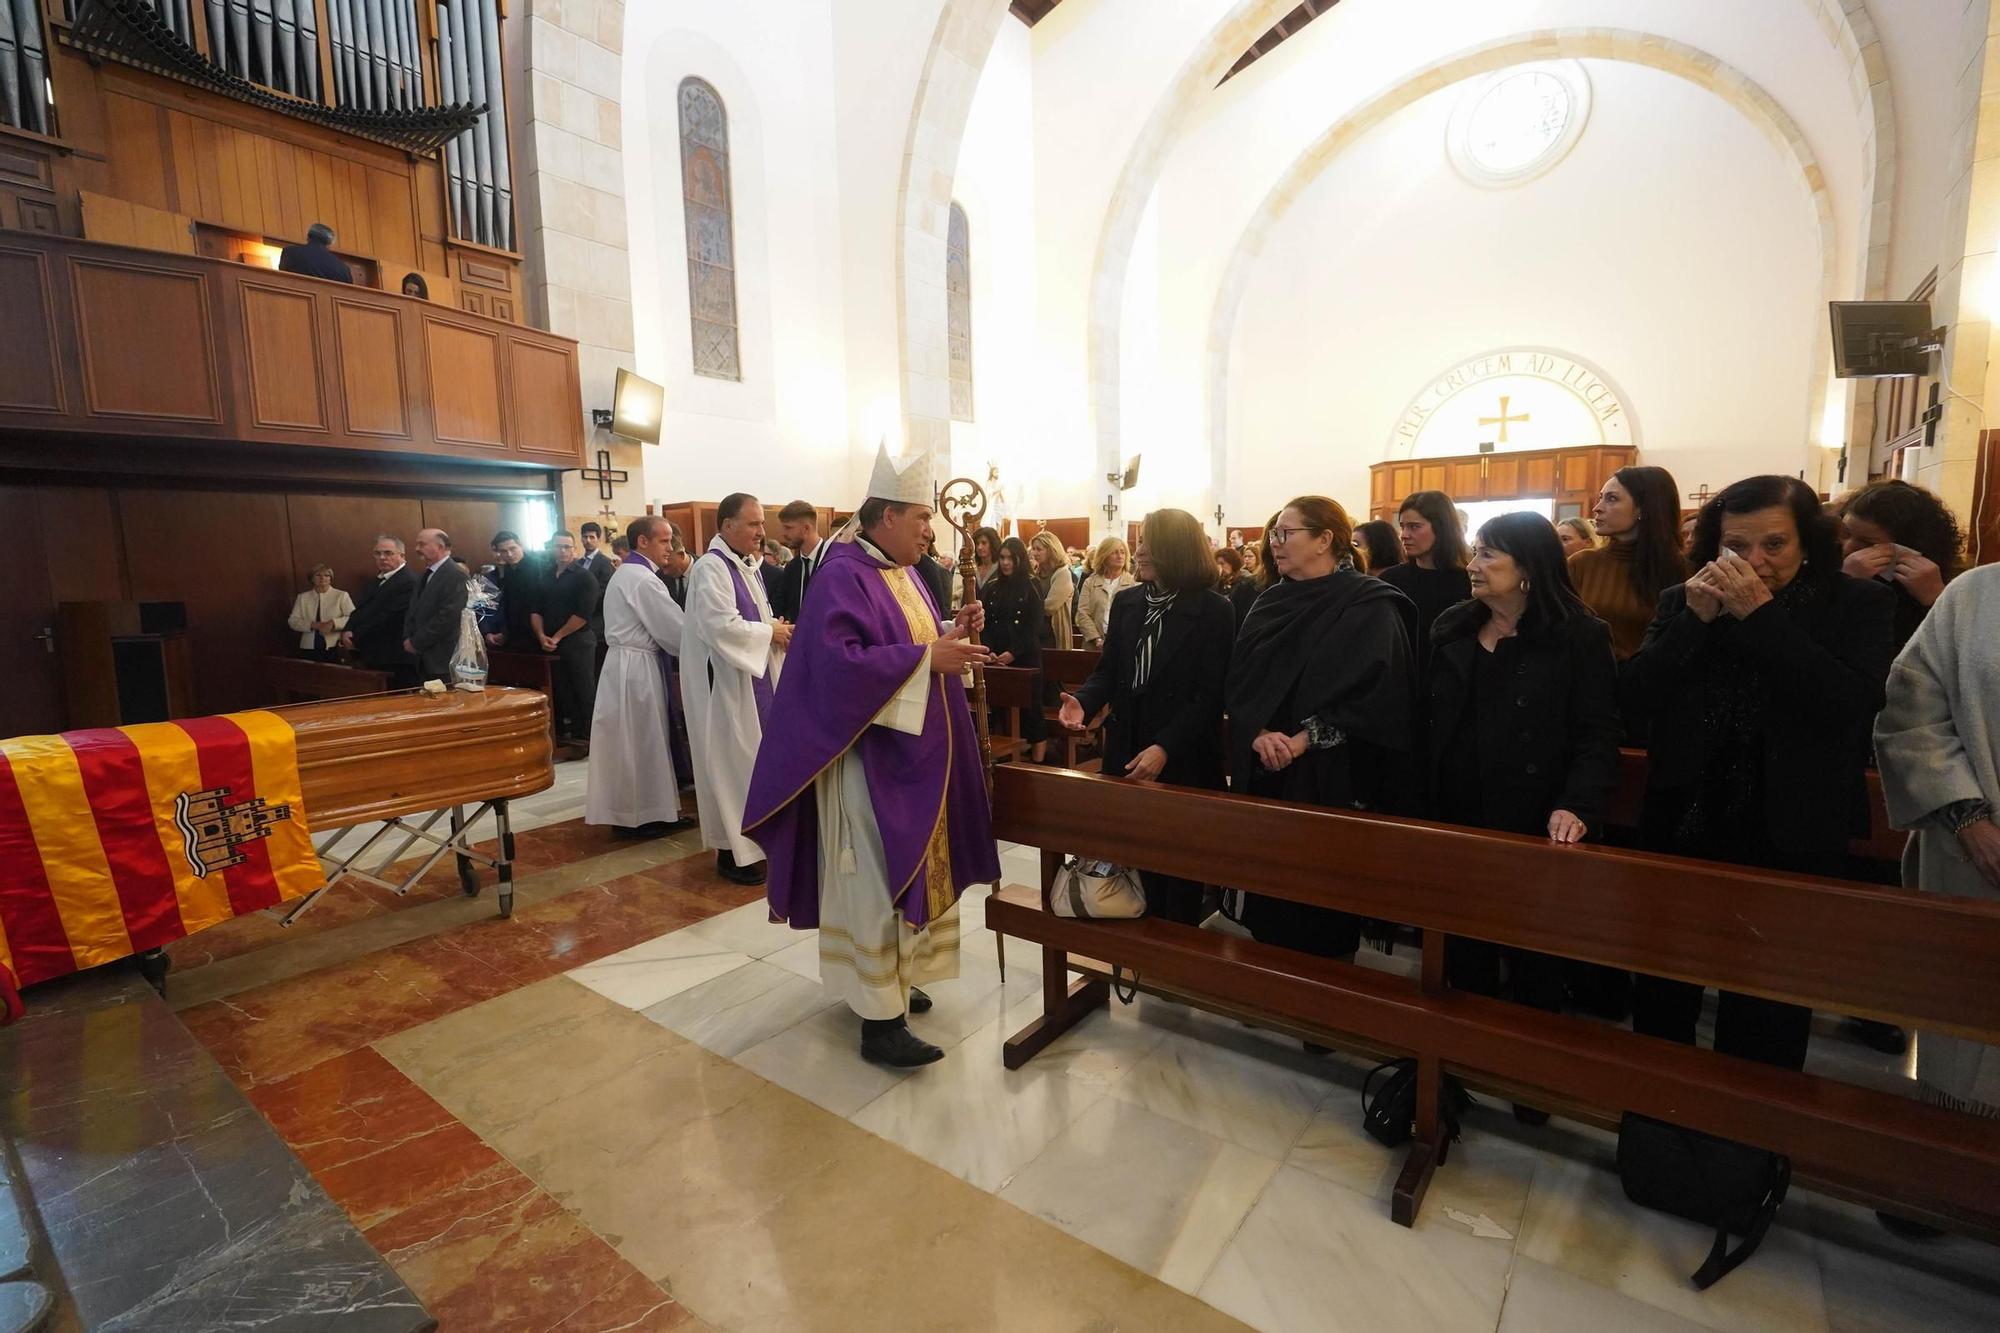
(1415, 1178)
(1063, 1007)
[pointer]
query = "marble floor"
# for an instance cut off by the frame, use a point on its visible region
(632, 1106)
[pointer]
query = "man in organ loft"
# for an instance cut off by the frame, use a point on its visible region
(315, 258)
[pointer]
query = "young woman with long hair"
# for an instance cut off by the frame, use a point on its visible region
(1638, 516)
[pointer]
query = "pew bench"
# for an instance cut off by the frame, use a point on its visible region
(1012, 692)
(297, 680)
(1064, 670)
(1919, 961)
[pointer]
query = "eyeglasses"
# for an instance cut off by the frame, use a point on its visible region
(1279, 536)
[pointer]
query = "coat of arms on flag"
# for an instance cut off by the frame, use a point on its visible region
(116, 840)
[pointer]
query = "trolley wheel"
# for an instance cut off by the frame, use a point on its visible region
(468, 878)
(506, 905)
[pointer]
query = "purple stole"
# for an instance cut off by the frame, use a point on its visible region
(746, 606)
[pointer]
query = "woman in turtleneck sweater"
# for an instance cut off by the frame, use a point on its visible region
(1638, 516)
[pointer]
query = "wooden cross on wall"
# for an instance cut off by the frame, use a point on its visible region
(1699, 497)
(605, 475)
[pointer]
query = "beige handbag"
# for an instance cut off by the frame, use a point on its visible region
(1097, 891)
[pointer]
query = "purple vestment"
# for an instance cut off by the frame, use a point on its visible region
(746, 606)
(850, 653)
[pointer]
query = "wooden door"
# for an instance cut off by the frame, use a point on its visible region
(31, 703)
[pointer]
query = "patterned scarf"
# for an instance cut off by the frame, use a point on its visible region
(1157, 604)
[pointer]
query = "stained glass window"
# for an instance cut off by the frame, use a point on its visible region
(711, 245)
(958, 312)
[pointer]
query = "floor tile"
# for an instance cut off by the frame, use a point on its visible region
(741, 1008)
(1143, 1188)
(747, 930)
(1259, 1102)
(1541, 1299)
(376, 1142)
(1100, 1050)
(1579, 1220)
(1318, 1258)
(1879, 1283)
(974, 1118)
(820, 1060)
(650, 972)
(800, 957)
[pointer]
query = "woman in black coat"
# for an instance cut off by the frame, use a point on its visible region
(1524, 725)
(1165, 659)
(1760, 676)
(1014, 620)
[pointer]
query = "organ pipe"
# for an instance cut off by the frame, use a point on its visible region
(24, 68)
(495, 124)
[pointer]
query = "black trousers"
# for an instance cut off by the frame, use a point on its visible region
(1173, 899)
(1315, 930)
(1533, 979)
(576, 685)
(1746, 1026)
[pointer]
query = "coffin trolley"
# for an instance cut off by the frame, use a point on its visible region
(406, 762)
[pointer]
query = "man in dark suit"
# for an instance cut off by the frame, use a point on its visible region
(798, 530)
(563, 626)
(521, 578)
(430, 629)
(375, 631)
(674, 572)
(315, 258)
(937, 578)
(601, 563)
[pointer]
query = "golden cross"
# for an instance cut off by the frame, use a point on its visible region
(1502, 420)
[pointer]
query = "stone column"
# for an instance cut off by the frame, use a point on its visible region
(565, 80)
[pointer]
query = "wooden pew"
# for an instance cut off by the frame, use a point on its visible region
(1882, 846)
(1012, 691)
(1924, 962)
(1064, 670)
(296, 680)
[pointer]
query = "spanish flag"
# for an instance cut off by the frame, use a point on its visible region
(117, 840)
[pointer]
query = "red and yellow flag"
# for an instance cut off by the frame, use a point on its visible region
(119, 839)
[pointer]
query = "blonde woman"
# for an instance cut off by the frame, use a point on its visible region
(1577, 534)
(319, 614)
(1110, 574)
(1058, 588)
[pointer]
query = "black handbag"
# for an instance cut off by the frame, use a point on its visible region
(1719, 1183)
(1389, 1113)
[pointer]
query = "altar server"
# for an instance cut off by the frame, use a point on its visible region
(874, 808)
(633, 786)
(731, 650)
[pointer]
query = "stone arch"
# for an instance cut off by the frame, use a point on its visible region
(1671, 57)
(959, 46)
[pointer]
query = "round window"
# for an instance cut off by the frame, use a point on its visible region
(1514, 124)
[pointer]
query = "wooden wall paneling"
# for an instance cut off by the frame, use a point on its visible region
(471, 523)
(546, 417)
(1466, 480)
(208, 171)
(1538, 474)
(30, 375)
(187, 171)
(362, 208)
(273, 220)
(31, 703)
(282, 355)
(84, 545)
(137, 142)
(1503, 477)
(324, 190)
(148, 345)
(292, 221)
(228, 557)
(254, 220)
(1430, 477)
(370, 359)
(466, 383)
(339, 530)
(394, 221)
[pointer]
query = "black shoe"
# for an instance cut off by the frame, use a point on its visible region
(897, 1047)
(1528, 1115)
(920, 1003)
(1314, 1048)
(658, 828)
(1907, 1229)
(1884, 1037)
(725, 866)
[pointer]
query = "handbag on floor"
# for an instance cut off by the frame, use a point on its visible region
(1097, 891)
(1729, 1186)
(1389, 1113)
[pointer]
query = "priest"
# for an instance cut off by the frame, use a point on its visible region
(874, 809)
(633, 786)
(731, 647)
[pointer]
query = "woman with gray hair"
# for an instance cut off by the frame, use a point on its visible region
(319, 614)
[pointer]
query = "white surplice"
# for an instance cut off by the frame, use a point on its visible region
(632, 779)
(723, 655)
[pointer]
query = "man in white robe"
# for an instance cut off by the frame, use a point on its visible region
(633, 786)
(731, 649)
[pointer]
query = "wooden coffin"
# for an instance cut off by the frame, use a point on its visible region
(404, 753)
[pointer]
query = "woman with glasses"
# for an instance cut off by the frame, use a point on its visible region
(318, 616)
(1321, 699)
(1432, 574)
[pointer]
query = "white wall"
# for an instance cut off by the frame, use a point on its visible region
(995, 185)
(1921, 40)
(1672, 247)
(782, 431)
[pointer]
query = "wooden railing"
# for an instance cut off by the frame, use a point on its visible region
(107, 341)
(1922, 961)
